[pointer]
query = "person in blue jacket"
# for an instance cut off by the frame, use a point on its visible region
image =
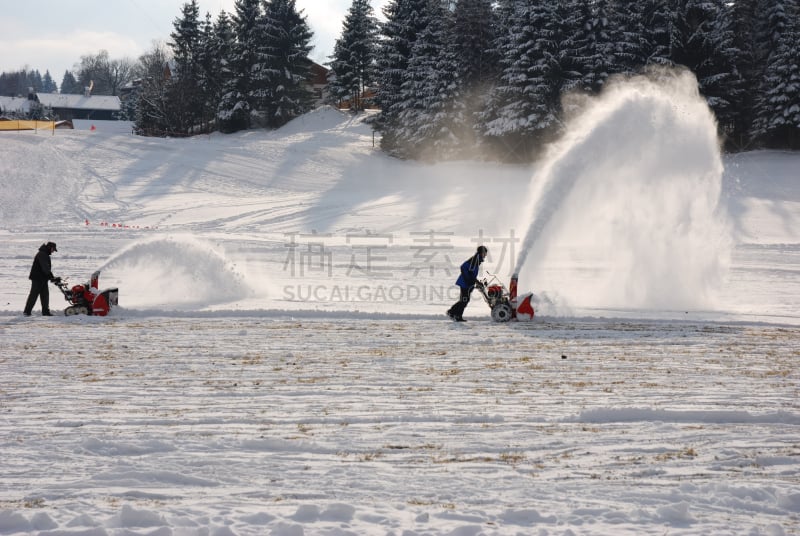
(467, 280)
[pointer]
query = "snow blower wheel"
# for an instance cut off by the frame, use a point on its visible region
(76, 310)
(505, 304)
(502, 312)
(497, 298)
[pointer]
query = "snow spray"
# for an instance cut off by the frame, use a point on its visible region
(177, 272)
(626, 206)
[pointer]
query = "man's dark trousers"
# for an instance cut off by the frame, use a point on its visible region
(38, 289)
(458, 308)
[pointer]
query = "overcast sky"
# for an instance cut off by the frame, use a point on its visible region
(54, 34)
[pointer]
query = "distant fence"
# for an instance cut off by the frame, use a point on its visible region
(101, 126)
(26, 124)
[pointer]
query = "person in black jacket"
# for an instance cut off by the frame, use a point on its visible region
(467, 280)
(40, 274)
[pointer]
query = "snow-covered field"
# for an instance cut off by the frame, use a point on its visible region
(280, 362)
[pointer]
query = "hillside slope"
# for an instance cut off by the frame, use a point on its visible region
(260, 205)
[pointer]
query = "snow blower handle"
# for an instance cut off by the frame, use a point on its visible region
(62, 286)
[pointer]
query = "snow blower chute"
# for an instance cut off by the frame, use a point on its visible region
(88, 299)
(504, 303)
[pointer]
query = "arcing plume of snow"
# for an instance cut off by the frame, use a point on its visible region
(174, 271)
(630, 195)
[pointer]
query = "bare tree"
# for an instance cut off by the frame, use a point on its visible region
(120, 73)
(104, 75)
(152, 114)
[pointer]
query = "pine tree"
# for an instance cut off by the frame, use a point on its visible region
(503, 22)
(703, 41)
(473, 36)
(234, 112)
(207, 72)
(69, 85)
(524, 110)
(472, 39)
(644, 32)
(36, 81)
(591, 44)
(223, 44)
(284, 50)
(560, 68)
(431, 116)
(6, 85)
(185, 38)
(399, 34)
(777, 122)
(499, 119)
(628, 30)
(216, 40)
(48, 85)
(354, 55)
(184, 90)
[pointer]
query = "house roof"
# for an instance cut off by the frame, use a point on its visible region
(79, 102)
(14, 104)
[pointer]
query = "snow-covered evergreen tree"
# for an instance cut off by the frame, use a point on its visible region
(283, 91)
(777, 121)
(208, 72)
(524, 109)
(628, 48)
(184, 90)
(399, 34)
(36, 80)
(354, 55)
(431, 117)
(473, 36)
(185, 38)
(644, 32)
(591, 43)
(48, 84)
(236, 104)
(221, 47)
(68, 83)
(744, 15)
(472, 40)
(703, 41)
(216, 41)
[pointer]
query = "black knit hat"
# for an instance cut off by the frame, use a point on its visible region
(52, 245)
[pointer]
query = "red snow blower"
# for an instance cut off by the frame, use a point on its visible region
(87, 299)
(504, 303)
